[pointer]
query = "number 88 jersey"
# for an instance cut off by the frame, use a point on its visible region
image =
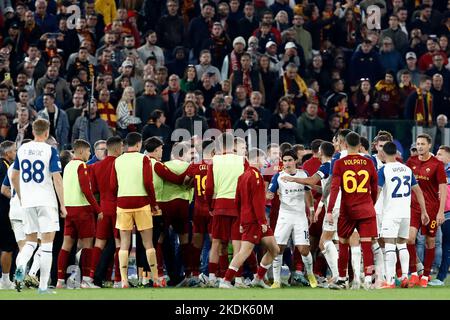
(36, 162)
(396, 179)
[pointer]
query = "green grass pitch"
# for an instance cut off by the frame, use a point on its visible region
(293, 293)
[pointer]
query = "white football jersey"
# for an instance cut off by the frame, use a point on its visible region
(396, 179)
(15, 210)
(36, 162)
(379, 203)
(292, 194)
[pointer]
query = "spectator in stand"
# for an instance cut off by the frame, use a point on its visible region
(191, 119)
(264, 115)
(365, 63)
(441, 96)
(190, 79)
(438, 67)
(249, 22)
(406, 87)
(205, 66)
(318, 71)
(395, 33)
(426, 60)
(387, 97)
(170, 27)
(199, 28)
(363, 100)
(148, 102)
(247, 76)
(90, 127)
(232, 61)
(62, 92)
(389, 57)
(128, 70)
(179, 64)
(59, 124)
(7, 103)
(309, 125)
(419, 105)
(46, 21)
(151, 49)
(126, 113)
(218, 44)
(22, 129)
(106, 110)
(284, 120)
(220, 119)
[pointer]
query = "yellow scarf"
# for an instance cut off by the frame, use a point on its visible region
(382, 85)
(300, 83)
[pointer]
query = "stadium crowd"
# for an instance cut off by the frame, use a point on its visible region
(307, 69)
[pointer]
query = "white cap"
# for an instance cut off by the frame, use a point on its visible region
(9, 9)
(290, 45)
(127, 63)
(270, 43)
(411, 55)
(239, 40)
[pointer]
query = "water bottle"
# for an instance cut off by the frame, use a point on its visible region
(74, 280)
(132, 270)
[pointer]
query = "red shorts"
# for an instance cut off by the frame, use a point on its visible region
(252, 232)
(106, 227)
(315, 229)
(176, 214)
(225, 228)
(201, 221)
(274, 210)
(431, 228)
(367, 228)
(80, 222)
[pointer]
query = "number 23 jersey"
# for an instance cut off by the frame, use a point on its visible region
(36, 162)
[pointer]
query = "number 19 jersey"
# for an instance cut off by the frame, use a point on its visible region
(396, 179)
(36, 162)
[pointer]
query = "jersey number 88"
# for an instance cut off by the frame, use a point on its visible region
(33, 171)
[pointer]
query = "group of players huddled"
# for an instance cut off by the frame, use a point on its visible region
(341, 203)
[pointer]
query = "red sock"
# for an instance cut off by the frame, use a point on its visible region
(428, 261)
(298, 262)
(367, 253)
(230, 274)
(261, 272)
(412, 257)
(239, 272)
(212, 267)
(320, 265)
(116, 266)
(223, 265)
(252, 262)
(343, 259)
(195, 261)
(96, 252)
(186, 258)
(62, 263)
(160, 259)
(85, 262)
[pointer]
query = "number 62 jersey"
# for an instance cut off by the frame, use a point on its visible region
(36, 162)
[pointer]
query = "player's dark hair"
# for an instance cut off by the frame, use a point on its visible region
(290, 153)
(5, 146)
(113, 142)
(365, 143)
(353, 139)
(152, 143)
(298, 147)
(65, 156)
(425, 136)
(327, 149)
(384, 136)
(315, 145)
(343, 133)
(285, 146)
(390, 148)
(445, 148)
(80, 144)
(133, 138)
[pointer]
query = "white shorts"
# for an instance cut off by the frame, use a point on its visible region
(299, 231)
(326, 226)
(395, 228)
(41, 219)
(19, 229)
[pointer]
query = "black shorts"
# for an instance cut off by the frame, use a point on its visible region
(7, 238)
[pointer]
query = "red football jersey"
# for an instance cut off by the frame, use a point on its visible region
(357, 178)
(311, 166)
(250, 196)
(199, 172)
(429, 174)
(100, 176)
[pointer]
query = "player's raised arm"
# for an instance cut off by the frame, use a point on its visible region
(273, 187)
(309, 180)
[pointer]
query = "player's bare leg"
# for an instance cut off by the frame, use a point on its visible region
(307, 259)
(150, 252)
(330, 252)
(414, 280)
(125, 241)
(236, 249)
(273, 251)
(355, 249)
(213, 260)
(430, 247)
(378, 249)
(117, 278)
(239, 257)
(23, 257)
(63, 259)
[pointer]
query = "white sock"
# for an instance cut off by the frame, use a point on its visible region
(212, 276)
(391, 260)
(379, 261)
(356, 262)
(238, 280)
(277, 262)
(5, 277)
(331, 255)
(308, 261)
(403, 255)
(46, 264)
(36, 262)
(25, 255)
(89, 279)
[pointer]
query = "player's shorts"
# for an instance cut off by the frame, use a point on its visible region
(395, 228)
(19, 229)
(331, 227)
(176, 214)
(80, 222)
(367, 228)
(41, 219)
(201, 222)
(431, 228)
(298, 228)
(141, 217)
(225, 228)
(106, 227)
(252, 232)
(7, 240)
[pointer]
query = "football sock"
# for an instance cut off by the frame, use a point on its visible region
(378, 257)
(223, 265)
(239, 272)
(116, 266)
(343, 259)
(230, 274)
(308, 261)
(277, 262)
(356, 262)
(160, 258)
(186, 258)
(96, 252)
(123, 261)
(212, 268)
(36, 262)
(412, 257)
(252, 262)
(262, 270)
(428, 261)
(25, 255)
(5, 277)
(152, 262)
(331, 255)
(45, 264)
(403, 255)
(85, 262)
(367, 258)
(195, 261)
(63, 257)
(298, 262)
(320, 265)
(391, 260)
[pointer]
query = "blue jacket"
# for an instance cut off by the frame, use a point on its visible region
(391, 61)
(365, 66)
